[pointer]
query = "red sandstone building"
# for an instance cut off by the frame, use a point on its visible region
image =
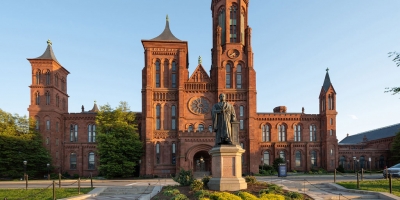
(175, 118)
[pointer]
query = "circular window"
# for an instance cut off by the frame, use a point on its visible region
(199, 105)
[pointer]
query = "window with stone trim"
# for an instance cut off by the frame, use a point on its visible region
(313, 133)
(37, 123)
(173, 117)
(173, 153)
(313, 158)
(282, 155)
(221, 23)
(298, 158)
(228, 76)
(48, 77)
(239, 76)
(266, 158)
(37, 98)
(72, 161)
(91, 133)
(157, 153)
(38, 74)
(297, 133)
(281, 133)
(158, 76)
(158, 117)
(47, 98)
(233, 23)
(47, 124)
(200, 128)
(173, 75)
(91, 161)
(73, 134)
(210, 129)
(266, 133)
(190, 128)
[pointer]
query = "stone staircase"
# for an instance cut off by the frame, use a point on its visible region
(127, 191)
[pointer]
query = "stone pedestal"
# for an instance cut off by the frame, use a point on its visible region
(227, 168)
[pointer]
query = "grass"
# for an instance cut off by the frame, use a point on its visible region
(41, 194)
(377, 185)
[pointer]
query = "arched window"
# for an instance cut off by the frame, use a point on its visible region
(158, 153)
(57, 100)
(173, 156)
(266, 133)
(241, 111)
(72, 161)
(342, 161)
(282, 155)
(73, 134)
(210, 128)
(62, 84)
(190, 129)
(63, 104)
(313, 133)
(91, 163)
(173, 74)
(56, 78)
(200, 128)
(47, 98)
(37, 124)
(232, 23)
(228, 76)
(92, 133)
(362, 162)
(173, 117)
(381, 161)
(298, 158)
(239, 76)
(38, 77)
(158, 74)
(241, 124)
(281, 133)
(48, 77)
(313, 158)
(242, 26)
(47, 141)
(158, 117)
(47, 124)
(221, 23)
(297, 133)
(266, 158)
(37, 98)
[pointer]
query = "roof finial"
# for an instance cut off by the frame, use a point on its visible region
(327, 69)
(167, 18)
(95, 101)
(49, 42)
(200, 60)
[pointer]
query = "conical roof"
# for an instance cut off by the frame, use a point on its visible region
(48, 53)
(166, 34)
(327, 81)
(95, 108)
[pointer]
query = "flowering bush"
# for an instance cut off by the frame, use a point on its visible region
(224, 196)
(196, 185)
(272, 197)
(246, 196)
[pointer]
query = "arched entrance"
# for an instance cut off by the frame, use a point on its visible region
(202, 162)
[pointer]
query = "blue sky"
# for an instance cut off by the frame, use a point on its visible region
(293, 43)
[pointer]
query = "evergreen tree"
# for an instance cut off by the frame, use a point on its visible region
(396, 149)
(119, 145)
(20, 141)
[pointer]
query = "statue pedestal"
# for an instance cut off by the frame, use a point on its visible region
(227, 168)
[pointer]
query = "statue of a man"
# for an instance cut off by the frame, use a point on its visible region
(223, 114)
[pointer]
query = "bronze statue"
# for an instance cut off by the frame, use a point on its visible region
(223, 114)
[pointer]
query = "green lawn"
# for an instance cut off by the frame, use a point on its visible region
(41, 194)
(378, 186)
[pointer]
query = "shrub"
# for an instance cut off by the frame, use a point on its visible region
(224, 196)
(184, 178)
(247, 196)
(265, 191)
(276, 163)
(205, 180)
(180, 197)
(272, 197)
(294, 171)
(171, 192)
(250, 179)
(294, 195)
(75, 176)
(275, 188)
(196, 185)
(202, 194)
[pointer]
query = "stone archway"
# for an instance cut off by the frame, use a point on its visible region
(202, 162)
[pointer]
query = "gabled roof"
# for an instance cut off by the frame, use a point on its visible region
(166, 34)
(48, 53)
(384, 132)
(199, 75)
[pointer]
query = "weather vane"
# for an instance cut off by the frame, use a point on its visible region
(200, 60)
(49, 42)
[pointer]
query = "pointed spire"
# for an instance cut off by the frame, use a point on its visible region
(48, 53)
(166, 34)
(327, 81)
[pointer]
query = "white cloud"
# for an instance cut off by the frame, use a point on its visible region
(353, 116)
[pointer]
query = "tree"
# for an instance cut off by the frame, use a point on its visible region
(119, 145)
(395, 149)
(20, 141)
(396, 59)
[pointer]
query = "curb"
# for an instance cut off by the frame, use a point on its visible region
(155, 191)
(382, 195)
(95, 192)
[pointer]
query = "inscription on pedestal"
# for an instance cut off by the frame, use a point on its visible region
(229, 167)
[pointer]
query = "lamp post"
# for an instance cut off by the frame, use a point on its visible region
(354, 163)
(202, 164)
(25, 162)
(358, 164)
(370, 168)
(48, 169)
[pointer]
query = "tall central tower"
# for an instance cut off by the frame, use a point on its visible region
(232, 69)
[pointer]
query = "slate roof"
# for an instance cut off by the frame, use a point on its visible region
(166, 34)
(327, 82)
(48, 53)
(384, 132)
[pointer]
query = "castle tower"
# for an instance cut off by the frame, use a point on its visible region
(163, 77)
(327, 110)
(49, 100)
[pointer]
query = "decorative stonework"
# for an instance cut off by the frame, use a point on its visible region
(199, 105)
